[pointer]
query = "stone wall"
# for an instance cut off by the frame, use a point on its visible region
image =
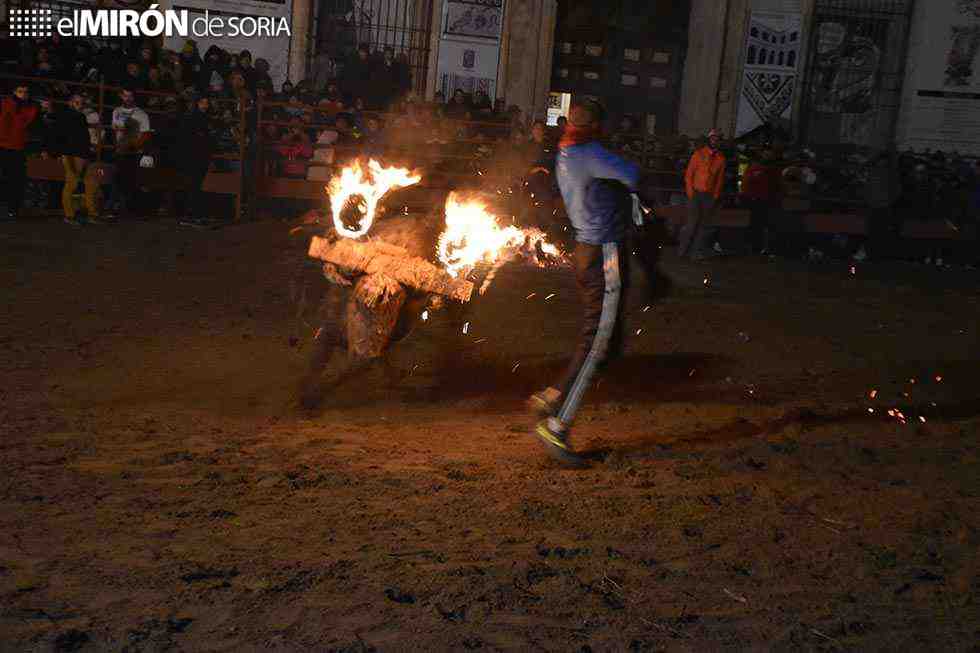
(299, 45)
(713, 68)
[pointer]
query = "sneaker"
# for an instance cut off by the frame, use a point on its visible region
(545, 403)
(939, 263)
(72, 221)
(555, 441)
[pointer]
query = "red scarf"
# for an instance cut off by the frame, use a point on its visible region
(575, 135)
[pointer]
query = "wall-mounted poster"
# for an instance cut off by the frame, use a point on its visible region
(941, 95)
(469, 50)
(468, 67)
(480, 19)
(770, 70)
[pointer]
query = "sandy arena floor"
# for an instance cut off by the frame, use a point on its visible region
(160, 490)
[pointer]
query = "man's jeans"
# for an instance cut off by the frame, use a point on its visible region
(696, 235)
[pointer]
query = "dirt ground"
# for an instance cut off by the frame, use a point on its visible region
(161, 490)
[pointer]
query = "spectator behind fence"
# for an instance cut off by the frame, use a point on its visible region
(16, 115)
(197, 141)
(70, 139)
(761, 194)
(541, 156)
(324, 70)
(295, 150)
(392, 80)
(482, 108)
(459, 106)
(356, 79)
(262, 73)
(884, 188)
(704, 180)
(131, 126)
(190, 62)
(212, 71)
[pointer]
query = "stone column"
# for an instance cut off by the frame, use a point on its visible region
(700, 88)
(526, 50)
(299, 45)
(730, 73)
(432, 79)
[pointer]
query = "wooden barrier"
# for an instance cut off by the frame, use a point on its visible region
(51, 169)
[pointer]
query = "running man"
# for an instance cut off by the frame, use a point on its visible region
(596, 186)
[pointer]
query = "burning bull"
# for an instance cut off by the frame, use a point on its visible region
(384, 273)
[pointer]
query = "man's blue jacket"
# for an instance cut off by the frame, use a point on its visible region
(595, 207)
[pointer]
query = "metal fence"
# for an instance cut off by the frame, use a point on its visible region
(404, 25)
(854, 73)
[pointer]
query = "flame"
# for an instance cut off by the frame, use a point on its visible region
(472, 236)
(371, 184)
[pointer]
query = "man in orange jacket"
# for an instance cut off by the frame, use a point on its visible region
(16, 115)
(704, 180)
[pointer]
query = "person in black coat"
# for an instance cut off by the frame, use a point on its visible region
(356, 81)
(196, 145)
(70, 139)
(212, 70)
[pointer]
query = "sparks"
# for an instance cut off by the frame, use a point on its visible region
(939, 379)
(466, 328)
(549, 296)
(639, 331)
(514, 369)
(873, 394)
(531, 295)
(370, 186)
(646, 308)
(425, 315)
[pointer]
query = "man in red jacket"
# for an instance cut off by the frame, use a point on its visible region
(762, 195)
(16, 115)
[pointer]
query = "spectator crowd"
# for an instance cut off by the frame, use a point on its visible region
(221, 111)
